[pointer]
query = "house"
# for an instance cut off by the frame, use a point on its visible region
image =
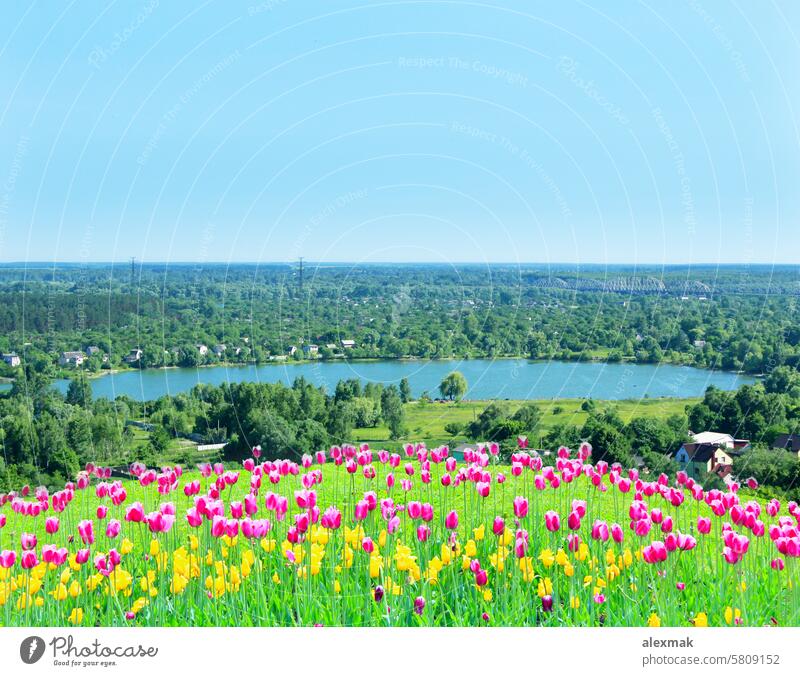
(734, 446)
(311, 349)
(697, 458)
(219, 350)
(72, 358)
(202, 349)
(92, 350)
(348, 344)
(710, 452)
(11, 359)
(788, 442)
(331, 346)
(292, 349)
(699, 344)
(133, 357)
(458, 451)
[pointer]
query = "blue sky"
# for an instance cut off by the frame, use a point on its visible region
(647, 132)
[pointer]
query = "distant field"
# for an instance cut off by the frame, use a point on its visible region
(427, 421)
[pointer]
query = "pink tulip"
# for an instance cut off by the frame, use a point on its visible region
(51, 525)
(113, 528)
(28, 541)
(423, 532)
(498, 525)
(159, 522)
(29, 560)
(135, 513)
(703, 525)
(9, 557)
(332, 518)
(193, 517)
(361, 510)
(520, 507)
(574, 521)
(552, 521)
(451, 520)
(655, 552)
(600, 530)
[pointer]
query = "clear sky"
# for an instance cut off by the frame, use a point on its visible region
(649, 132)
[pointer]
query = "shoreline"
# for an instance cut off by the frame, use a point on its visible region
(300, 362)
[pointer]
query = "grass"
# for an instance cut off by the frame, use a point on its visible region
(428, 420)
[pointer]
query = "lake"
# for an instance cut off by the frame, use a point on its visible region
(487, 379)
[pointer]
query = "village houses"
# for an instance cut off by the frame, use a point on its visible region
(11, 359)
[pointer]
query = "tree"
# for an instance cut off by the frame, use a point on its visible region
(366, 411)
(341, 419)
(79, 392)
(454, 386)
(405, 391)
(605, 432)
(272, 432)
(529, 416)
(480, 428)
(392, 408)
(159, 440)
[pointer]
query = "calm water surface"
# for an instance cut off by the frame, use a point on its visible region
(487, 379)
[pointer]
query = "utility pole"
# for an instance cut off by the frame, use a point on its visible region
(300, 276)
(133, 270)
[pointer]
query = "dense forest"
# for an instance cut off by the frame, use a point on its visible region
(734, 318)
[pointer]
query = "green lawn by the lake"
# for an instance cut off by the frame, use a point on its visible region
(426, 421)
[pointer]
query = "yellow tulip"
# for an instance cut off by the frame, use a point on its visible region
(60, 593)
(732, 614)
(76, 616)
(545, 587)
(654, 620)
(547, 558)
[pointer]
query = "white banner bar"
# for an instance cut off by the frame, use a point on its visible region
(328, 651)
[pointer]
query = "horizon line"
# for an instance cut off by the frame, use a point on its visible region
(306, 261)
